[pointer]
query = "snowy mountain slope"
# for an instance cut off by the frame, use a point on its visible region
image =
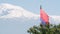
(54, 19)
(11, 11)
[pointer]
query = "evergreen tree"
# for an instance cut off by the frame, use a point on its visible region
(47, 29)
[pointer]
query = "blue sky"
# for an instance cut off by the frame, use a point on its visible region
(51, 7)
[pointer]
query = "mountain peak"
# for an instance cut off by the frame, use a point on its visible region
(6, 5)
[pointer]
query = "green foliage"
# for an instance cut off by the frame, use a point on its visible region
(47, 29)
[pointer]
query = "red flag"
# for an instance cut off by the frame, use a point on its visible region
(44, 16)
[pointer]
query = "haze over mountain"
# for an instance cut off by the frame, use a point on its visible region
(16, 20)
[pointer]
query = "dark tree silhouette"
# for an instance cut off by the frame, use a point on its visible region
(47, 29)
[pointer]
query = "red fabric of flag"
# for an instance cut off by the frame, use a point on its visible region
(44, 16)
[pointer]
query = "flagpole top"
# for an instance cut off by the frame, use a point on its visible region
(40, 7)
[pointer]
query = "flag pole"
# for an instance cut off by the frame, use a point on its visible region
(40, 7)
(43, 26)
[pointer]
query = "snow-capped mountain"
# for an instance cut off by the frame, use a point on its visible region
(12, 11)
(54, 19)
(19, 19)
(15, 19)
